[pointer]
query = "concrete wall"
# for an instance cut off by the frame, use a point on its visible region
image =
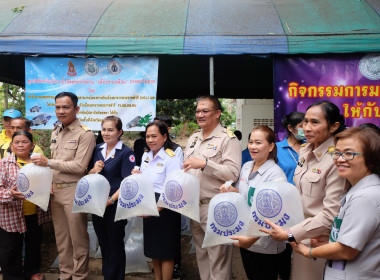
(251, 113)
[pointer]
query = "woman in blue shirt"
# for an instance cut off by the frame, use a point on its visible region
(115, 161)
(287, 155)
(289, 148)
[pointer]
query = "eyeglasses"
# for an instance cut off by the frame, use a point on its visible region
(204, 112)
(345, 155)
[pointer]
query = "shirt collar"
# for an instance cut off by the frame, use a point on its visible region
(72, 125)
(285, 143)
(217, 132)
(263, 168)
(370, 180)
(161, 154)
(5, 137)
(323, 149)
(112, 153)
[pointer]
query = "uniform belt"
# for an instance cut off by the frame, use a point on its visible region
(65, 185)
(204, 201)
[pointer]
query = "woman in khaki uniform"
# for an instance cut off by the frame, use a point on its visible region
(320, 187)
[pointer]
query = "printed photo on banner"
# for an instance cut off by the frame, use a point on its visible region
(352, 82)
(125, 87)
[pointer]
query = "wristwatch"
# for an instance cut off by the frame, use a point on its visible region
(112, 201)
(291, 237)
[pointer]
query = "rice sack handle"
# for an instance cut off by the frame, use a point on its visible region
(181, 194)
(136, 198)
(34, 182)
(91, 195)
(279, 202)
(228, 215)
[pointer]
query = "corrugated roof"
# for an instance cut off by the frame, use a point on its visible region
(208, 27)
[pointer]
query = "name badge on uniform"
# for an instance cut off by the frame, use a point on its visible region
(147, 160)
(316, 170)
(212, 146)
(194, 142)
(72, 141)
(301, 162)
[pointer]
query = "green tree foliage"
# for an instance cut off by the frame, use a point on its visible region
(180, 110)
(12, 96)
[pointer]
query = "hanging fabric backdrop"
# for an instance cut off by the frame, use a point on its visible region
(125, 87)
(352, 82)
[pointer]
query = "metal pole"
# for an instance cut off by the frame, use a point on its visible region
(211, 75)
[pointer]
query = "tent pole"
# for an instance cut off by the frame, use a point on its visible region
(211, 75)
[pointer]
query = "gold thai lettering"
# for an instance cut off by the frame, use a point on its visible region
(293, 89)
(356, 110)
(374, 91)
(368, 110)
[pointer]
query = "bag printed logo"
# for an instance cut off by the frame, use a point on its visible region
(129, 189)
(225, 214)
(173, 191)
(22, 182)
(82, 188)
(269, 203)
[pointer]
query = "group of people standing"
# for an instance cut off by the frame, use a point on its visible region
(335, 170)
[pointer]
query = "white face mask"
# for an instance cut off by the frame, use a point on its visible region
(300, 135)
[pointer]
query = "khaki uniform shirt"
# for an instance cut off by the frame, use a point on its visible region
(316, 177)
(223, 151)
(71, 151)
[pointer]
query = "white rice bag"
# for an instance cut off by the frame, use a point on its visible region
(279, 202)
(136, 198)
(135, 259)
(34, 182)
(181, 194)
(91, 195)
(228, 215)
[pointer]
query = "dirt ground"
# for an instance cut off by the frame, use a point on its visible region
(189, 268)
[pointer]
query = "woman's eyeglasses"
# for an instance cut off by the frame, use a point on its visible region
(345, 155)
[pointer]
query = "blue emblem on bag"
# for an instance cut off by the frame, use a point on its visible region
(82, 188)
(173, 191)
(225, 214)
(129, 189)
(22, 182)
(268, 203)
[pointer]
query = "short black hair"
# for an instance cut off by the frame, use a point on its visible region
(238, 134)
(331, 113)
(25, 133)
(163, 129)
(292, 119)
(28, 123)
(72, 96)
(213, 99)
(165, 119)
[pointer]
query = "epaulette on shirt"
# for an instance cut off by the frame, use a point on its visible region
(85, 127)
(230, 133)
(170, 152)
(304, 144)
(331, 149)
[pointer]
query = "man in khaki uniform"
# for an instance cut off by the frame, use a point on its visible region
(72, 144)
(213, 154)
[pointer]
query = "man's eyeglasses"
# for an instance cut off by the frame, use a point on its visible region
(345, 155)
(204, 112)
